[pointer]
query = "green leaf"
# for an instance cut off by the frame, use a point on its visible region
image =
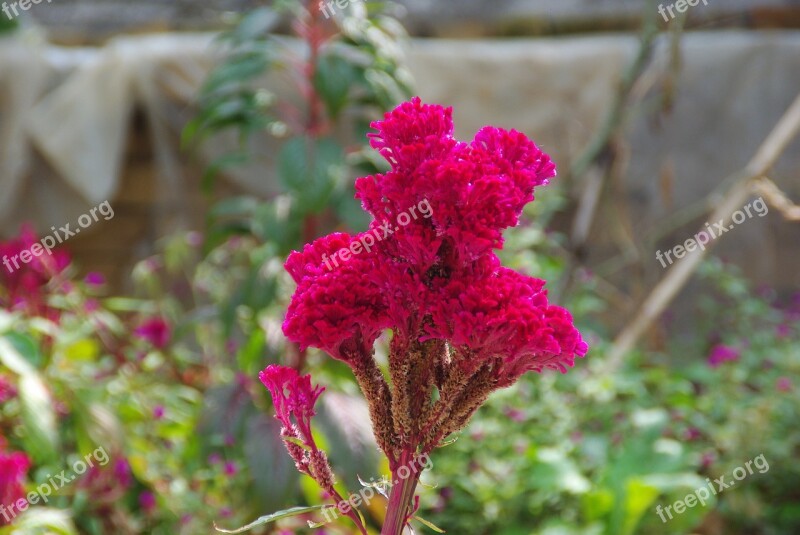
(13, 359)
(83, 350)
(333, 79)
(286, 513)
(428, 524)
(254, 25)
(638, 498)
(310, 168)
(252, 353)
(235, 207)
(45, 521)
(27, 348)
(218, 166)
(38, 416)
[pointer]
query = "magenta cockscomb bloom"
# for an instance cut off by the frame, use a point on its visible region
(462, 324)
(14, 468)
(292, 395)
(23, 285)
(294, 398)
(435, 281)
(721, 354)
(7, 390)
(156, 331)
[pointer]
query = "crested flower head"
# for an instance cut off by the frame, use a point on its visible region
(23, 285)
(7, 389)
(292, 393)
(294, 398)
(14, 467)
(426, 267)
(156, 331)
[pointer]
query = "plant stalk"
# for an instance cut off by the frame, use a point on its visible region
(401, 496)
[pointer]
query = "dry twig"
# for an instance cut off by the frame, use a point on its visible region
(744, 181)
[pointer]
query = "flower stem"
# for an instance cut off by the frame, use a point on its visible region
(401, 496)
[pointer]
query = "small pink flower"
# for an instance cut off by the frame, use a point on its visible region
(692, 433)
(294, 398)
(516, 415)
(94, 279)
(214, 458)
(7, 390)
(783, 384)
(147, 501)
(122, 471)
(708, 459)
(721, 354)
(156, 331)
(230, 469)
(158, 412)
(292, 395)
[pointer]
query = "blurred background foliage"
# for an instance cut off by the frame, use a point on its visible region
(165, 379)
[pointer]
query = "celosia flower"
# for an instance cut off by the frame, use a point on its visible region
(436, 281)
(7, 390)
(23, 286)
(462, 325)
(292, 395)
(156, 331)
(294, 398)
(721, 353)
(14, 468)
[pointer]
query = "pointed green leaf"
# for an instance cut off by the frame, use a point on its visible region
(41, 433)
(286, 513)
(428, 524)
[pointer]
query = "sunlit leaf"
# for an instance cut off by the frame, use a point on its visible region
(286, 513)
